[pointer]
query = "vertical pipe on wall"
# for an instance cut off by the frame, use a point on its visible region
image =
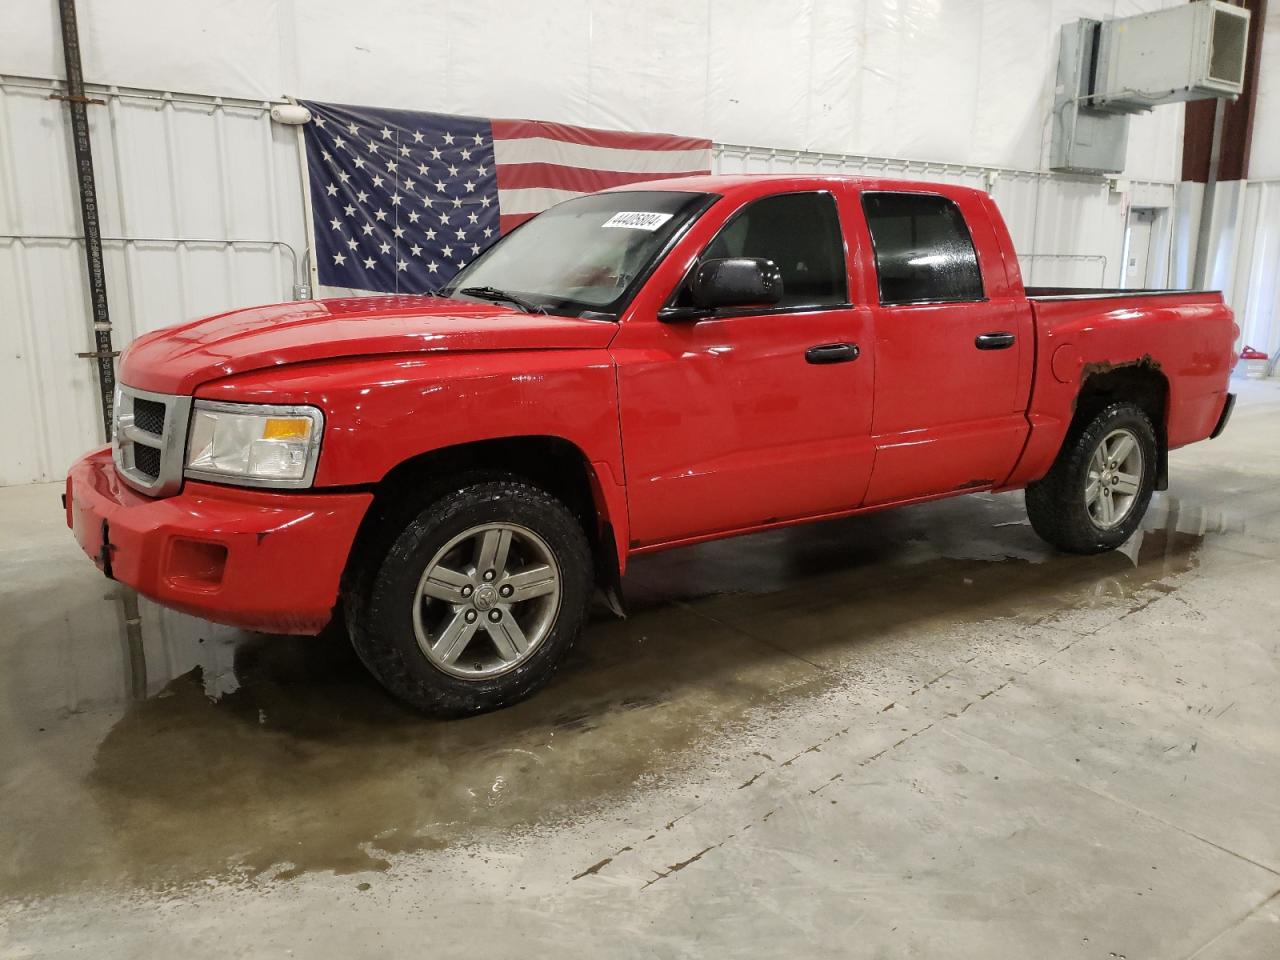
(1204, 236)
(312, 287)
(273, 211)
(103, 354)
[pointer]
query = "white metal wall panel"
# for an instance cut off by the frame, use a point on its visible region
(201, 207)
(46, 392)
(1264, 152)
(1256, 267)
(960, 80)
(1244, 254)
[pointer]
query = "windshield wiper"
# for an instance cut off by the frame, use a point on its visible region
(493, 293)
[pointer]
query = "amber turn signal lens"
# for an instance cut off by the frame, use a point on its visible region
(291, 428)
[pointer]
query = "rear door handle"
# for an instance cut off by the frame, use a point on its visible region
(994, 341)
(832, 353)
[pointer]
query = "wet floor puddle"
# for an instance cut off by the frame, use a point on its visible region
(275, 756)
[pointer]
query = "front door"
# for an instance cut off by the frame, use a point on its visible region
(953, 355)
(752, 416)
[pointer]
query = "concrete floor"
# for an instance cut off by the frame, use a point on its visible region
(914, 734)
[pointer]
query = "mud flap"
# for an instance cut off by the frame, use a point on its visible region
(608, 579)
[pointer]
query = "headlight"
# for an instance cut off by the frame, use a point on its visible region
(254, 445)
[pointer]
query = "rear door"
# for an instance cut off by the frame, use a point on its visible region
(954, 346)
(753, 415)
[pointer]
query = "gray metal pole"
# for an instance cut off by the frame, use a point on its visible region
(103, 354)
(1204, 236)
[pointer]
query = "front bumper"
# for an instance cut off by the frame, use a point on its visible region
(262, 560)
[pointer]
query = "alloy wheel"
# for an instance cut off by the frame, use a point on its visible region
(1114, 479)
(487, 600)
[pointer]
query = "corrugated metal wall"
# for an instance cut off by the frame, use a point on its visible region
(1244, 254)
(201, 203)
(203, 198)
(1255, 290)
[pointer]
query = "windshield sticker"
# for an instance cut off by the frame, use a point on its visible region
(637, 220)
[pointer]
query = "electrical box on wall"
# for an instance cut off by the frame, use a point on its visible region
(1192, 51)
(1108, 69)
(1085, 140)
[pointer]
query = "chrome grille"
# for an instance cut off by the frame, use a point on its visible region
(149, 439)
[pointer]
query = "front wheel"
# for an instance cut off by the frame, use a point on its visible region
(1097, 491)
(477, 601)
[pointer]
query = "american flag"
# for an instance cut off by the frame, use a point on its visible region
(402, 200)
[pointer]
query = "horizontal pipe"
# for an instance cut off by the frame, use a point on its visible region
(52, 84)
(941, 165)
(49, 85)
(206, 241)
(1061, 256)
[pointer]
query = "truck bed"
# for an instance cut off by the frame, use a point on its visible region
(1184, 336)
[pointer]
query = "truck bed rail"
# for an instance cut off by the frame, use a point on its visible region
(1097, 293)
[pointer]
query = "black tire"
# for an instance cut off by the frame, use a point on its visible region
(1057, 504)
(379, 599)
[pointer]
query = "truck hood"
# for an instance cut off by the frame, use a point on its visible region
(178, 359)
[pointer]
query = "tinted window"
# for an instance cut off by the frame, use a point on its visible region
(800, 232)
(923, 248)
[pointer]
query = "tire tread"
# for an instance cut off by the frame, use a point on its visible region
(1054, 505)
(375, 593)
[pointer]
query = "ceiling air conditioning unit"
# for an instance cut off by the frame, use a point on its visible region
(1110, 68)
(1188, 52)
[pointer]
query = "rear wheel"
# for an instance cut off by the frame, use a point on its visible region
(477, 601)
(1096, 493)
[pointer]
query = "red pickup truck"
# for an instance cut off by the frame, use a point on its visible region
(629, 371)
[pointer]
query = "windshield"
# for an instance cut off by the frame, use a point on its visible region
(581, 256)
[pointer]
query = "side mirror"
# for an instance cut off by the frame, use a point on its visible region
(736, 282)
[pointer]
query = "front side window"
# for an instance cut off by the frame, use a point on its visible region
(800, 232)
(585, 255)
(923, 250)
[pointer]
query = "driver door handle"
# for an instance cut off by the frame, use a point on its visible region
(832, 353)
(994, 341)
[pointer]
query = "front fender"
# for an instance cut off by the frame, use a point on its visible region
(383, 411)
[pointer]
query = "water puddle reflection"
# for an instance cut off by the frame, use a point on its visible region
(239, 754)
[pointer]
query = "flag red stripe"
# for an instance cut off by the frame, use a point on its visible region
(516, 176)
(621, 139)
(509, 221)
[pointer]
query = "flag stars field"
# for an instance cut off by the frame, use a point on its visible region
(487, 175)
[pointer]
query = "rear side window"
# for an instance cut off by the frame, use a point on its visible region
(800, 232)
(924, 253)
